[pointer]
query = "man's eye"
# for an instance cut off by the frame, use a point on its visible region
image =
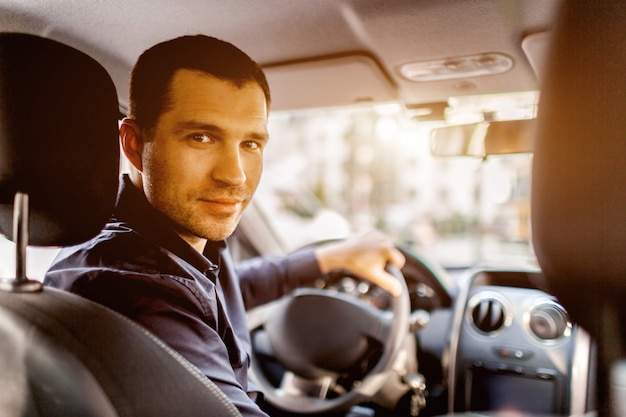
(250, 144)
(201, 138)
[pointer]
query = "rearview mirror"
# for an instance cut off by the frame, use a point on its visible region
(484, 138)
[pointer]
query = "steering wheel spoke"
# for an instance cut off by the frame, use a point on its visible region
(294, 385)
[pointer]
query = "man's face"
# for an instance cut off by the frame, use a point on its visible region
(203, 161)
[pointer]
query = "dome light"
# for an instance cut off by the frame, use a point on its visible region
(458, 67)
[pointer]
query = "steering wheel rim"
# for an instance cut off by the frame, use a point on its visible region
(370, 383)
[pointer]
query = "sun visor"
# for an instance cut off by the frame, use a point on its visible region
(535, 47)
(329, 81)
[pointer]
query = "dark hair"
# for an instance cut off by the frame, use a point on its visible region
(151, 77)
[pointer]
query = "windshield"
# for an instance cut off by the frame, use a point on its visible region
(329, 172)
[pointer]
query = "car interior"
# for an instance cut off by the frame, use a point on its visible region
(484, 338)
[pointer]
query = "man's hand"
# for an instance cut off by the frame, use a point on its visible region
(366, 256)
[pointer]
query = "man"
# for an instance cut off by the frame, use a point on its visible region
(194, 138)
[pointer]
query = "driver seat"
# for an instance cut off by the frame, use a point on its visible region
(60, 354)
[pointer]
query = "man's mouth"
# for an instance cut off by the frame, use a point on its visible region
(225, 206)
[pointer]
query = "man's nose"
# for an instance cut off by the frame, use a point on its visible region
(229, 168)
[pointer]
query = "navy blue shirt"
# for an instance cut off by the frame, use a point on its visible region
(194, 302)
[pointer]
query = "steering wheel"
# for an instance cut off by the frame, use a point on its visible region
(319, 336)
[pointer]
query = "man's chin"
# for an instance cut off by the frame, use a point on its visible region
(210, 227)
(218, 232)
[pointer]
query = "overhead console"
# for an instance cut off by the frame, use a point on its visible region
(514, 348)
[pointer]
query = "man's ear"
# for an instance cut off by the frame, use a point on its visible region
(132, 142)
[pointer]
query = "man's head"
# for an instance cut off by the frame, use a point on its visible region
(196, 132)
(152, 74)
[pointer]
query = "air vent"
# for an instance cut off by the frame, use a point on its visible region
(488, 315)
(548, 321)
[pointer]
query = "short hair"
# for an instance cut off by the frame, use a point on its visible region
(152, 74)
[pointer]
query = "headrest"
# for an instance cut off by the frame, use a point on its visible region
(579, 167)
(58, 139)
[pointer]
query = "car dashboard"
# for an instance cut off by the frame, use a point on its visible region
(496, 340)
(513, 348)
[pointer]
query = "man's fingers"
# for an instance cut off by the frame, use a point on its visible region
(388, 282)
(396, 258)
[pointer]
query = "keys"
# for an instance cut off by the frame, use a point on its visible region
(417, 383)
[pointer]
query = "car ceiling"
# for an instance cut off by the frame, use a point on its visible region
(315, 52)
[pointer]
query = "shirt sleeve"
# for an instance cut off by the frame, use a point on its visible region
(264, 279)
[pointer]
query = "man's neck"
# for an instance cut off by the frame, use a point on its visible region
(195, 242)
